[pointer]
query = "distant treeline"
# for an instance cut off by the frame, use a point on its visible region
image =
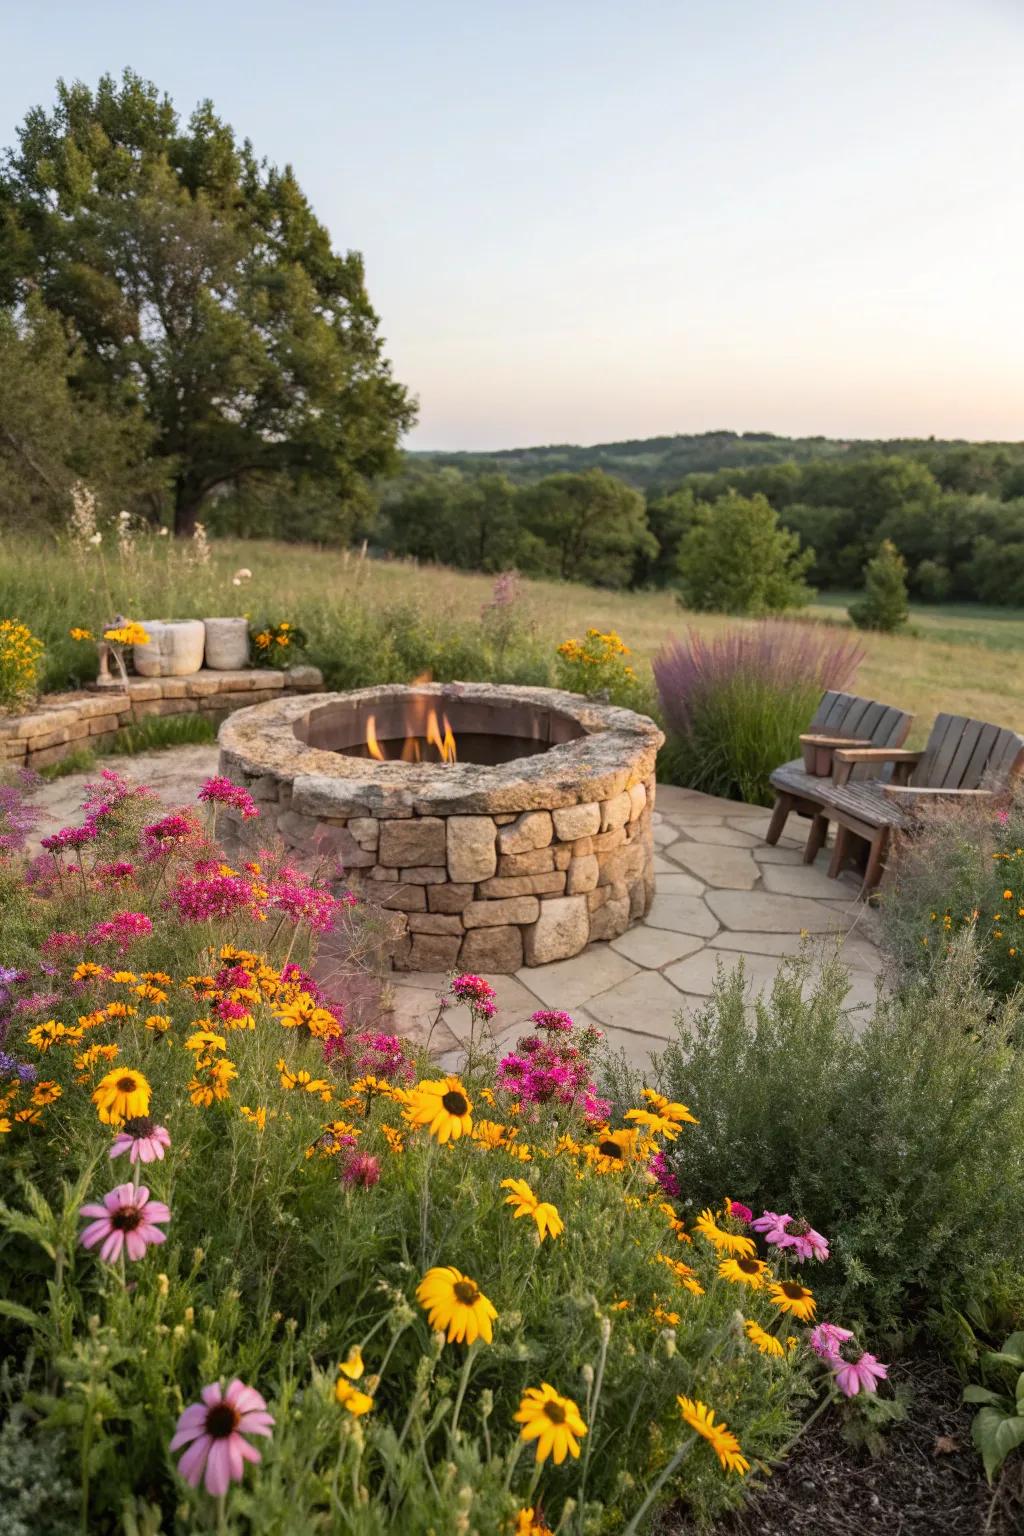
(955, 512)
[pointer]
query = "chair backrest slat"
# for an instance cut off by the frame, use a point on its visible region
(936, 755)
(962, 757)
(893, 728)
(829, 711)
(968, 754)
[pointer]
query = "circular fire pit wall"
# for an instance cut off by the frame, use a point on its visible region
(533, 842)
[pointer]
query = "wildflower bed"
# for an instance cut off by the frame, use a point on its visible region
(262, 1271)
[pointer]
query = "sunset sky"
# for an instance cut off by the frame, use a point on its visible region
(585, 220)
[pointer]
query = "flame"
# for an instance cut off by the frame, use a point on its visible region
(438, 735)
(445, 744)
(372, 744)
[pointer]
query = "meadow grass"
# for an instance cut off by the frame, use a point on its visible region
(383, 620)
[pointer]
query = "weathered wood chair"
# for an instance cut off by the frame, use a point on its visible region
(963, 759)
(840, 720)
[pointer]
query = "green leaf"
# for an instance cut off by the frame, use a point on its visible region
(20, 1314)
(996, 1434)
(977, 1394)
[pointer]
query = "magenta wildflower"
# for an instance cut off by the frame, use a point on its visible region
(479, 994)
(361, 1169)
(120, 869)
(221, 791)
(70, 837)
(143, 1139)
(122, 929)
(860, 1374)
(214, 895)
(177, 830)
(214, 1431)
(126, 1219)
(741, 1212)
(660, 1170)
(382, 1055)
(827, 1338)
(552, 1019)
(304, 902)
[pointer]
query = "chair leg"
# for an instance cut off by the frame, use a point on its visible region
(816, 837)
(783, 806)
(876, 861)
(840, 852)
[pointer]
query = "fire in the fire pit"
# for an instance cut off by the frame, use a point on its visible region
(416, 747)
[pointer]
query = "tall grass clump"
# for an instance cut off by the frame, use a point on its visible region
(901, 1140)
(962, 872)
(735, 703)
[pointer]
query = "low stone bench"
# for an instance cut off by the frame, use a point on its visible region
(62, 723)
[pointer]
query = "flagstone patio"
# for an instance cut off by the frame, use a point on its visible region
(722, 895)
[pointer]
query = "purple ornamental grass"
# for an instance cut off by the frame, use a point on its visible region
(775, 652)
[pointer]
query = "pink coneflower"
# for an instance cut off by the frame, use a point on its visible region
(795, 1235)
(126, 1219)
(214, 1431)
(861, 1374)
(221, 791)
(827, 1339)
(143, 1139)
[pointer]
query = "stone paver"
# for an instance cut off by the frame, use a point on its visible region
(727, 868)
(655, 948)
(683, 914)
(645, 1004)
(721, 892)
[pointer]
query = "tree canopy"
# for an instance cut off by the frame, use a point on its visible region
(202, 291)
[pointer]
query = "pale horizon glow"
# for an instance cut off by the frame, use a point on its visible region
(584, 221)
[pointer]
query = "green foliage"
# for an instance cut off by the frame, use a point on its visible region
(156, 732)
(998, 1426)
(901, 1139)
(740, 731)
(598, 665)
(737, 559)
(962, 873)
(81, 760)
(589, 527)
(52, 434)
(884, 604)
(204, 293)
(36, 1494)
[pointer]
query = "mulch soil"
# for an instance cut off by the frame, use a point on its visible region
(928, 1480)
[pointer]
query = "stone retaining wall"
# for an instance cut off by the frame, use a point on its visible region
(493, 868)
(62, 723)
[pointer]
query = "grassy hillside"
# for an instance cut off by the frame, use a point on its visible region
(657, 462)
(385, 621)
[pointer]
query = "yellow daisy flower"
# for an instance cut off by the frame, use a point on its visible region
(443, 1106)
(351, 1398)
(750, 1272)
(721, 1439)
(791, 1296)
(552, 1420)
(526, 1203)
(122, 1095)
(766, 1342)
(725, 1242)
(454, 1302)
(670, 1109)
(613, 1150)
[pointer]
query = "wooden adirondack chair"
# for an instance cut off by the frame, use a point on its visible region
(840, 720)
(962, 759)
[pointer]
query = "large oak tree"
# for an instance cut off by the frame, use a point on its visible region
(200, 287)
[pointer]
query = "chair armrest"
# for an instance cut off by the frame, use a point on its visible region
(910, 791)
(833, 741)
(846, 757)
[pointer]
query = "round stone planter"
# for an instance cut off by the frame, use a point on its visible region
(227, 644)
(175, 648)
(524, 856)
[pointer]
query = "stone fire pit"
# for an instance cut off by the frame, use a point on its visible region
(536, 845)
